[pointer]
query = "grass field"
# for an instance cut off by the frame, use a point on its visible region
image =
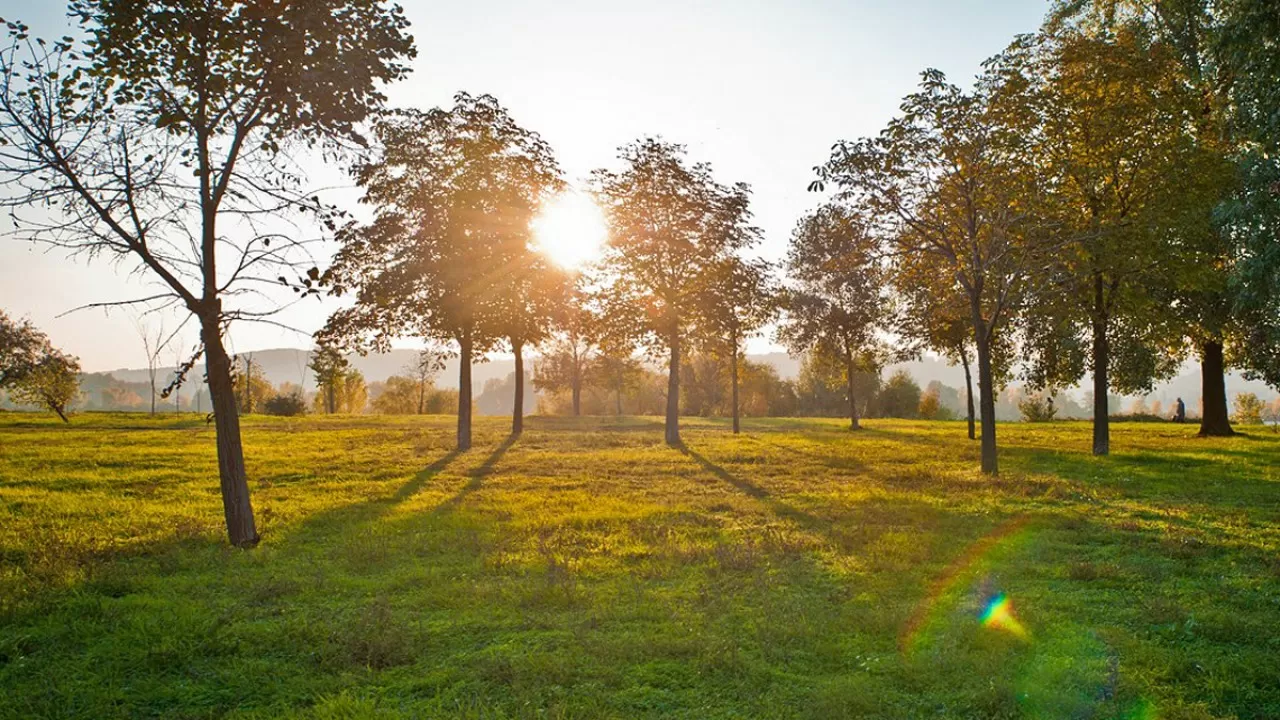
(587, 570)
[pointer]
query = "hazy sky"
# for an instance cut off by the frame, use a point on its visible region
(759, 89)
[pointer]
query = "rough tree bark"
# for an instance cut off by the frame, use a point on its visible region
(517, 412)
(577, 391)
(733, 370)
(673, 391)
(986, 391)
(241, 529)
(1101, 379)
(853, 402)
(1214, 420)
(464, 391)
(968, 391)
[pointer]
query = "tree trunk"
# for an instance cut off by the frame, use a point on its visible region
(1214, 420)
(986, 392)
(464, 391)
(576, 390)
(61, 414)
(1101, 370)
(235, 482)
(422, 396)
(968, 392)
(853, 402)
(733, 369)
(673, 391)
(517, 412)
(617, 397)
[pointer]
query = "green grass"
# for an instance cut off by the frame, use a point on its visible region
(587, 570)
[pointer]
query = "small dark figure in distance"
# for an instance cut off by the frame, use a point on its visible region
(1180, 412)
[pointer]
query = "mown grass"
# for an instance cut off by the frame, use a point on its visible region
(587, 570)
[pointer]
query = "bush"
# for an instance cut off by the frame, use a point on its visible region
(931, 407)
(1037, 408)
(287, 405)
(1248, 409)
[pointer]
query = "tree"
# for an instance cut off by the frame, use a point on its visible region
(900, 397)
(951, 180)
(33, 371)
(399, 396)
(933, 314)
(426, 364)
(1128, 182)
(669, 222)
(153, 344)
(163, 143)
(252, 389)
(330, 367)
(1207, 309)
(1249, 409)
(343, 393)
(840, 297)
(53, 383)
(21, 346)
(739, 301)
(453, 193)
(569, 351)
(534, 292)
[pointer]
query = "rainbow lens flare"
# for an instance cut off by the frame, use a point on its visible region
(999, 615)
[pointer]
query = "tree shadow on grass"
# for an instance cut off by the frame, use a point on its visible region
(779, 508)
(477, 476)
(416, 483)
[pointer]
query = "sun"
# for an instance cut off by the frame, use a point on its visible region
(570, 230)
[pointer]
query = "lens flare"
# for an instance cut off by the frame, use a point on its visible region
(945, 587)
(998, 615)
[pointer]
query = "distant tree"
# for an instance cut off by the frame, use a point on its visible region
(162, 143)
(399, 396)
(153, 343)
(346, 391)
(951, 181)
(426, 364)
(52, 383)
(1037, 407)
(900, 396)
(931, 407)
(669, 222)
(252, 388)
(21, 347)
(1248, 409)
(570, 349)
(839, 298)
(33, 371)
(286, 403)
(330, 367)
(446, 254)
(534, 294)
(740, 299)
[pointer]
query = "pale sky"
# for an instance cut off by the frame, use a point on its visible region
(759, 89)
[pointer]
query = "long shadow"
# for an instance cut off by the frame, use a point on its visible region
(415, 483)
(779, 508)
(477, 476)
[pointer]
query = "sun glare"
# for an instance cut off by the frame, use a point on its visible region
(570, 230)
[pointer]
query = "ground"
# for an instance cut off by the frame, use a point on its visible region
(587, 570)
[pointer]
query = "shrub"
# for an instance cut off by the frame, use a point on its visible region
(1248, 409)
(288, 405)
(1037, 408)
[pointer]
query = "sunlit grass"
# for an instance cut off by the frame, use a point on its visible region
(587, 570)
